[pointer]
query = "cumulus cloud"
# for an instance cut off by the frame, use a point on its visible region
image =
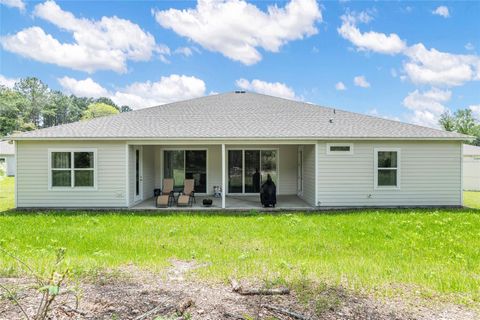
(440, 68)
(361, 81)
(340, 86)
(141, 94)
(277, 89)
(19, 4)
(106, 44)
(441, 11)
(475, 110)
(7, 82)
(422, 66)
(427, 106)
(369, 41)
(83, 88)
(237, 29)
(469, 46)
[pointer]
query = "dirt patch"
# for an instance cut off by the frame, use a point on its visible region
(138, 294)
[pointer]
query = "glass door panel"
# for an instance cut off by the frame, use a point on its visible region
(252, 171)
(174, 166)
(196, 168)
(235, 171)
(268, 161)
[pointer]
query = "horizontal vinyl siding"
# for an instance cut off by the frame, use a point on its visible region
(309, 174)
(471, 173)
(430, 174)
(32, 176)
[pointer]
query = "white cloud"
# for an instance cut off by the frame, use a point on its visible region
(441, 11)
(361, 81)
(469, 46)
(14, 4)
(340, 86)
(427, 106)
(141, 94)
(475, 110)
(237, 29)
(7, 82)
(277, 89)
(369, 41)
(83, 88)
(186, 51)
(105, 44)
(440, 68)
(423, 66)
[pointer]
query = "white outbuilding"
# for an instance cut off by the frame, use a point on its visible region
(471, 168)
(7, 157)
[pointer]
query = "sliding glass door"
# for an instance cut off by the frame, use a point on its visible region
(186, 164)
(248, 169)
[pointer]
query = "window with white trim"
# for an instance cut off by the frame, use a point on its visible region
(339, 148)
(72, 169)
(387, 168)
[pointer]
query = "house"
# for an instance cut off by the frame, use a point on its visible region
(471, 168)
(318, 157)
(7, 158)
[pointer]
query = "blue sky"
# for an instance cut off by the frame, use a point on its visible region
(409, 61)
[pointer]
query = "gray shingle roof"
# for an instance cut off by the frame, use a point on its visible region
(239, 115)
(6, 148)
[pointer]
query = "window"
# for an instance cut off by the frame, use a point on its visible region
(339, 148)
(387, 168)
(186, 164)
(72, 169)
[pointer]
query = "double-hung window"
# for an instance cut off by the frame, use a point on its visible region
(72, 169)
(387, 168)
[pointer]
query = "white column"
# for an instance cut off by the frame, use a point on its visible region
(316, 174)
(224, 190)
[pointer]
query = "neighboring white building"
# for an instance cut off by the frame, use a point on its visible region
(471, 168)
(7, 157)
(322, 157)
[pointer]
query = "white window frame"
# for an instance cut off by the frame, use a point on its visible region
(72, 169)
(376, 168)
(329, 152)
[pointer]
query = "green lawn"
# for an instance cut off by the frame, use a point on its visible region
(426, 251)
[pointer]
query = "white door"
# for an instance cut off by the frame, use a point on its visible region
(300, 172)
(138, 167)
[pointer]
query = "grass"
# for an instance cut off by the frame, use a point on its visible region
(430, 252)
(6, 193)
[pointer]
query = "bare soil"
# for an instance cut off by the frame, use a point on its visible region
(141, 295)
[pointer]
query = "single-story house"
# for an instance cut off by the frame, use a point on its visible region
(7, 158)
(471, 168)
(318, 157)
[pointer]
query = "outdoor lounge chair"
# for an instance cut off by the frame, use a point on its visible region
(187, 196)
(166, 196)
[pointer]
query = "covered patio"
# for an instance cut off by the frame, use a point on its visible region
(237, 170)
(234, 203)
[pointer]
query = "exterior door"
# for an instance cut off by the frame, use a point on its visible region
(300, 172)
(138, 195)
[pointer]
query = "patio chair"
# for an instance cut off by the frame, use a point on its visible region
(187, 196)
(166, 196)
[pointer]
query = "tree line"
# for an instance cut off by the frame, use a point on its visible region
(31, 105)
(462, 121)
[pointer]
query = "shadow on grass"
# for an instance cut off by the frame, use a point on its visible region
(219, 213)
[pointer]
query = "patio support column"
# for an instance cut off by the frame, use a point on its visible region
(223, 176)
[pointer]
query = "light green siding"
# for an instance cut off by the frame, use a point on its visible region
(32, 176)
(430, 175)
